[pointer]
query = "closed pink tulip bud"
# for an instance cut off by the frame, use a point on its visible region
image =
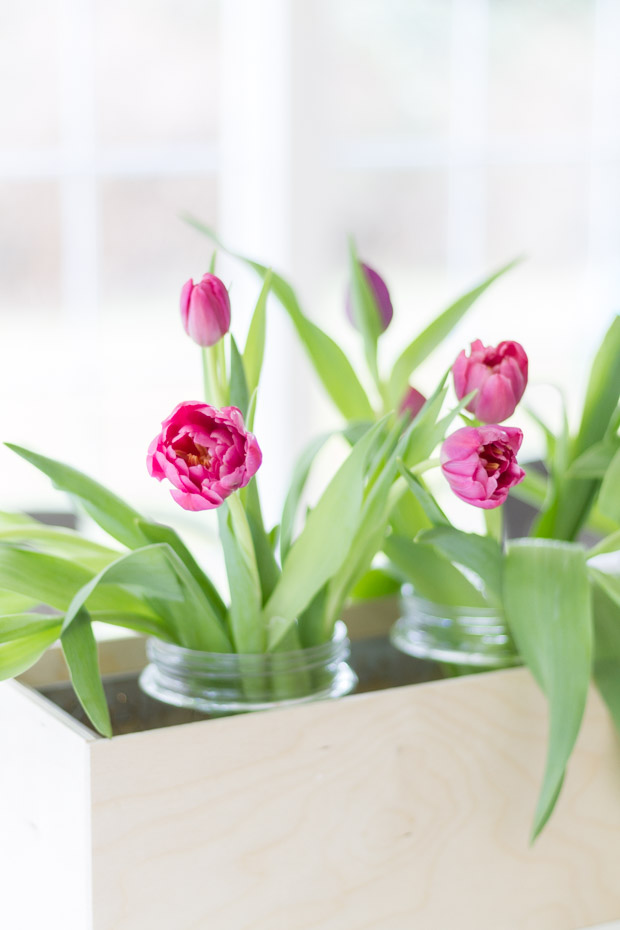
(498, 374)
(381, 295)
(412, 403)
(480, 464)
(205, 453)
(205, 310)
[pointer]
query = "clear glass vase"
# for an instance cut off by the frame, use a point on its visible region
(464, 636)
(230, 683)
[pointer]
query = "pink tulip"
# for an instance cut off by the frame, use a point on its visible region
(498, 374)
(412, 403)
(205, 310)
(205, 453)
(381, 295)
(480, 464)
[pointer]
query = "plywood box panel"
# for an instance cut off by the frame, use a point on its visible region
(409, 807)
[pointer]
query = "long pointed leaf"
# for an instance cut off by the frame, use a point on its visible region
(254, 350)
(111, 513)
(547, 605)
(428, 340)
(80, 650)
(323, 545)
(481, 554)
(19, 655)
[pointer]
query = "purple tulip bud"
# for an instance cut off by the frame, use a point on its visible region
(205, 310)
(412, 403)
(381, 295)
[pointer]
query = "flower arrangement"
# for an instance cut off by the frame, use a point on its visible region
(287, 587)
(558, 595)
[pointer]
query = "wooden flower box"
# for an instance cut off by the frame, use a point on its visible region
(388, 810)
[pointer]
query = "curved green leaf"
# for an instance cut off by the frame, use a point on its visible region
(547, 605)
(255, 343)
(428, 340)
(111, 513)
(19, 655)
(324, 543)
(80, 651)
(481, 554)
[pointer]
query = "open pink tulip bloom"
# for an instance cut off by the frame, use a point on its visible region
(499, 374)
(205, 310)
(480, 464)
(381, 295)
(205, 453)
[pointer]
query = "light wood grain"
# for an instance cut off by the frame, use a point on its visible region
(405, 808)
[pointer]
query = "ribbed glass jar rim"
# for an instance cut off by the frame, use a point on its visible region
(176, 659)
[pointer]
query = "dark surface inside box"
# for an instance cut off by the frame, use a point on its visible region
(376, 662)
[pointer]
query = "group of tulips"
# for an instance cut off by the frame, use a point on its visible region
(206, 453)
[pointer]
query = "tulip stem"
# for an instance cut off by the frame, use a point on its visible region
(421, 467)
(213, 394)
(495, 524)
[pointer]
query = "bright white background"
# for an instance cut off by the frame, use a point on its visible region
(447, 136)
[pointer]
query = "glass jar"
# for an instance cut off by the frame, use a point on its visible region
(465, 636)
(230, 683)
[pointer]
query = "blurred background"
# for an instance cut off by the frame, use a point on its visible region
(447, 136)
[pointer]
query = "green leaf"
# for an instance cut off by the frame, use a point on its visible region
(64, 543)
(480, 554)
(268, 568)
(301, 472)
(432, 575)
(568, 510)
(111, 513)
(245, 596)
(376, 583)
(239, 395)
(609, 497)
(80, 650)
(159, 533)
(158, 573)
(365, 310)
(255, 344)
(547, 605)
(16, 626)
(594, 462)
(325, 541)
(611, 543)
(428, 340)
(429, 505)
(19, 655)
(331, 364)
(607, 650)
(12, 603)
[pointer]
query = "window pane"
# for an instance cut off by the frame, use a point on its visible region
(156, 70)
(541, 66)
(29, 249)
(386, 67)
(29, 74)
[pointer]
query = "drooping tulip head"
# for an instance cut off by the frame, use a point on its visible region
(412, 403)
(480, 463)
(381, 295)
